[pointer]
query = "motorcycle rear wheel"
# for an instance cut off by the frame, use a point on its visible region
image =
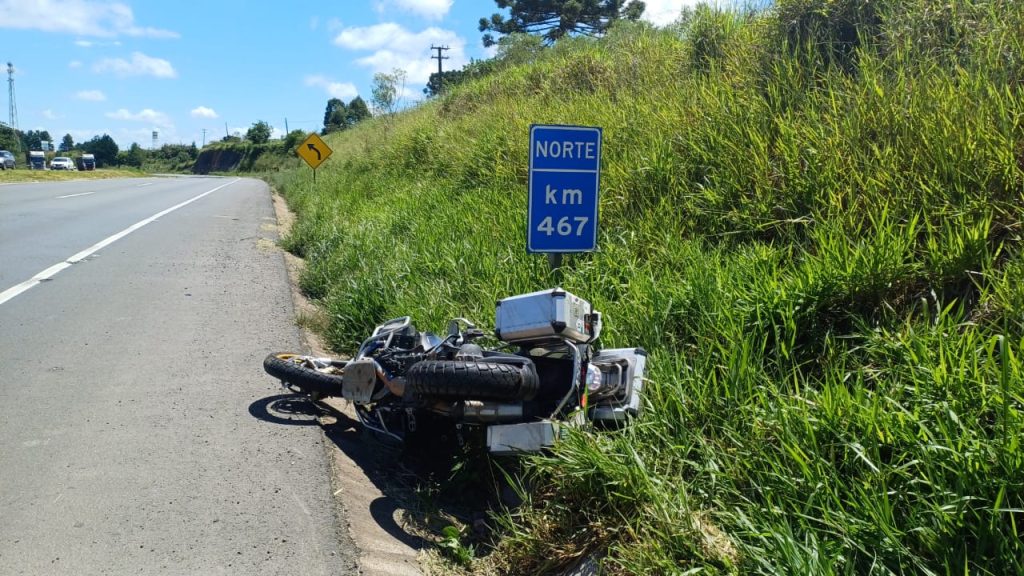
(293, 370)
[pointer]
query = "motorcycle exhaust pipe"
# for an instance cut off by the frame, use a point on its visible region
(487, 412)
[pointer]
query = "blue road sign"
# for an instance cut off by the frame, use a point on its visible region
(565, 172)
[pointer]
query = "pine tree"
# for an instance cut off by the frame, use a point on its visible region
(553, 19)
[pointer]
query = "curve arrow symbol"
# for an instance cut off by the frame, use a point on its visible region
(313, 148)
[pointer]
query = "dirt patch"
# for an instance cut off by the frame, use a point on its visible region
(217, 160)
(308, 314)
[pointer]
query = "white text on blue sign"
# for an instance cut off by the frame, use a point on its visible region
(565, 166)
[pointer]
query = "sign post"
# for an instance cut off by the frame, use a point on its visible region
(565, 174)
(314, 151)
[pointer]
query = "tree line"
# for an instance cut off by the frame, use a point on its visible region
(340, 116)
(21, 142)
(103, 147)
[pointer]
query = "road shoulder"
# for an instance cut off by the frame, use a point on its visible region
(375, 520)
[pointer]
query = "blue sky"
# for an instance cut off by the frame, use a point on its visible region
(127, 68)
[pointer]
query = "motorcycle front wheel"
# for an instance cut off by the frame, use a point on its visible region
(299, 372)
(474, 380)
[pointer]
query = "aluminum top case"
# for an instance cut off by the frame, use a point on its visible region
(544, 314)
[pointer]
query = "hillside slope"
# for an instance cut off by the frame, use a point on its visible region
(810, 217)
(243, 156)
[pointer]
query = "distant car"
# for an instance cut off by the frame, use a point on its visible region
(6, 160)
(62, 163)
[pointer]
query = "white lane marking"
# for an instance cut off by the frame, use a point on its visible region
(74, 195)
(53, 270)
(41, 277)
(146, 184)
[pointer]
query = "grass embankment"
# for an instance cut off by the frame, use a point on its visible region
(818, 239)
(20, 175)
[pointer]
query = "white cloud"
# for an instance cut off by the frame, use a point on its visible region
(664, 12)
(431, 9)
(341, 90)
(49, 115)
(411, 94)
(140, 65)
(91, 43)
(314, 22)
(146, 115)
(203, 112)
(80, 17)
(395, 47)
(91, 95)
(369, 37)
(75, 64)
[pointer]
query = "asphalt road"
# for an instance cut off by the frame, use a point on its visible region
(134, 437)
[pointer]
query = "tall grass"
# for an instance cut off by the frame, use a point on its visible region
(810, 218)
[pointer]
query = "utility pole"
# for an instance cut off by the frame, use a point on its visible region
(12, 103)
(286, 126)
(225, 129)
(440, 72)
(204, 138)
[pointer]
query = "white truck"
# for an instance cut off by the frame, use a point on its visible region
(87, 162)
(37, 160)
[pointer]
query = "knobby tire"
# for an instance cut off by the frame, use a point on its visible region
(288, 369)
(473, 380)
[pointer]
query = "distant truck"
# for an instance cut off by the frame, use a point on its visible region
(86, 162)
(37, 160)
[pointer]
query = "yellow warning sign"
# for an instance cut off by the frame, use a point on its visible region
(314, 151)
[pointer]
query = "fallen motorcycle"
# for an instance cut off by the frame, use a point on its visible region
(546, 375)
